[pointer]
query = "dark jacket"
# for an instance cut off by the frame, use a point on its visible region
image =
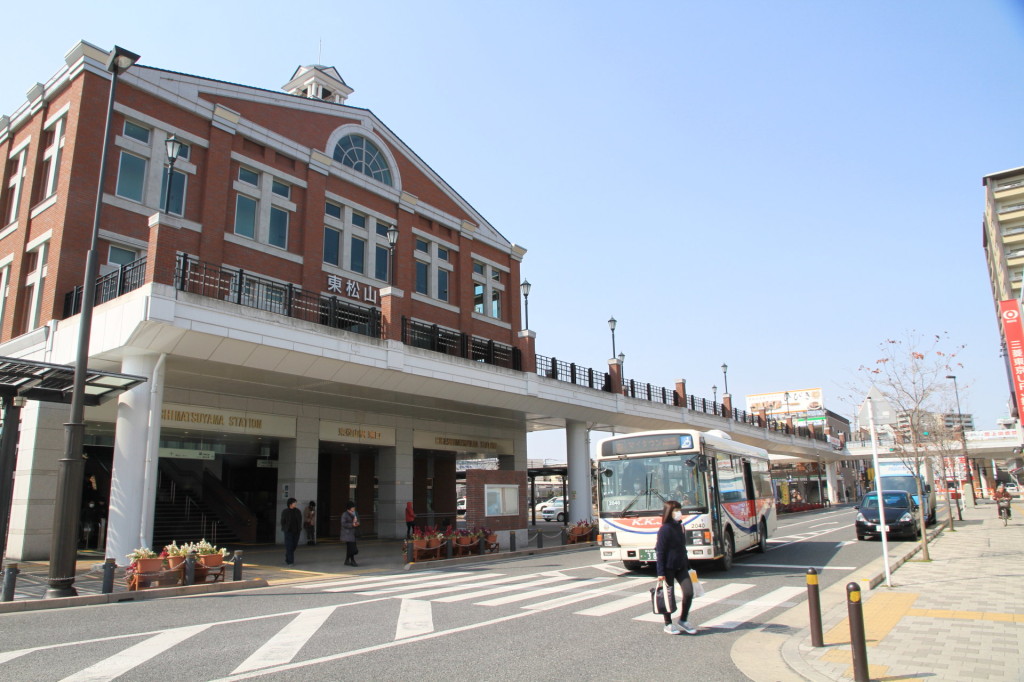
(348, 522)
(291, 520)
(670, 549)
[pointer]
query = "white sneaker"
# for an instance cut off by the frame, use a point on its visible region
(673, 629)
(687, 627)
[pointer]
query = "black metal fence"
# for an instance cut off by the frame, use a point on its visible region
(453, 342)
(126, 278)
(573, 373)
(655, 394)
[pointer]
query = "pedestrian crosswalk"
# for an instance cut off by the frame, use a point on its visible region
(414, 601)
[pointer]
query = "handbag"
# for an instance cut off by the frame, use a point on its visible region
(662, 601)
(698, 586)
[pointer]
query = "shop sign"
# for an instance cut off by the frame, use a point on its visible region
(799, 400)
(428, 440)
(226, 421)
(1013, 332)
(179, 453)
(349, 432)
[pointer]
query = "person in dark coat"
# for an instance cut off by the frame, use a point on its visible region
(349, 523)
(309, 522)
(291, 524)
(674, 565)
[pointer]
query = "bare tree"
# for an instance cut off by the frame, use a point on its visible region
(910, 373)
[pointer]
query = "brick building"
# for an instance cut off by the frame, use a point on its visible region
(288, 350)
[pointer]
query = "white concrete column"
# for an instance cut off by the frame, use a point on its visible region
(833, 481)
(133, 483)
(40, 447)
(580, 502)
(394, 476)
(297, 468)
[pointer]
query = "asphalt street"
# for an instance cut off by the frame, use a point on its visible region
(565, 615)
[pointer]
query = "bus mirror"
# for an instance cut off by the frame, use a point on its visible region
(702, 464)
(607, 472)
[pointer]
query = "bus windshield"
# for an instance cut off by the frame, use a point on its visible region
(641, 485)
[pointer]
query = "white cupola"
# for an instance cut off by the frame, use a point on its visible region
(318, 82)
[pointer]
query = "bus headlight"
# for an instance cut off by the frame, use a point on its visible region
(698, 537)
(608, 540)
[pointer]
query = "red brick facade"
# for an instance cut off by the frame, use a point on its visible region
(476, 504)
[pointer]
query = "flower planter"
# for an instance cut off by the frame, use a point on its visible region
(149, 565)
(212, 560)
(174, 562)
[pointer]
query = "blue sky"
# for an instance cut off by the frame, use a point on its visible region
(779, 186)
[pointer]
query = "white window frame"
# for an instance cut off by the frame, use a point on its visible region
(434, 264)
(52, 155)
(37, 280)
(16, 182)
(155, 155)
(501, 499)
(262, 193)
(371, 238)
(493, 281)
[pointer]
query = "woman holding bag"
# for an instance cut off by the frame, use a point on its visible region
(349, 523)
(674, 565)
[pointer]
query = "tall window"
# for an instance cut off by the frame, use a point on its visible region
(361, 155)
(139, 146)
(245, 216)
(422, 277)
(34, 265)
(176, 205)
(433, 268)
(332, 246)
(488, 289)
(262, 207)
(358, 262)
(363, 236)
(15, 181)
(53, 141)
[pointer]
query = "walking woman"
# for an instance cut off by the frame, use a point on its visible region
(309, 523)
(674, 566)
(349, 523)
(410, 520)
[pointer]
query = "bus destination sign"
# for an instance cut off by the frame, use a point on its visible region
(652, 444)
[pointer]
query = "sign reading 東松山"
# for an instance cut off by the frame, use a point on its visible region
(1013, 331)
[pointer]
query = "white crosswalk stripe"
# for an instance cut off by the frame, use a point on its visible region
(541, 592)
(476, 594)
(392, 588)
(120, 663)
(710, 597)
(282, 647)
(750, 610)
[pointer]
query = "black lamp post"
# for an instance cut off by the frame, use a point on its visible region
(725, 376)
(68, 500)
(714, 393)
(392, 235)
(525, 288)
(173, 147)
(963, 440)
(611, 325)
(8, 455)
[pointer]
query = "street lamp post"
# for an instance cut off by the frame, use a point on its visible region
(725, 377)
(714, 393)
(173, 148)
(392, 235)
(963, 440)
(68, 500)
(611, 325)
(525, 288)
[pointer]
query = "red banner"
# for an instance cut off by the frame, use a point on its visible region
(1013, 331)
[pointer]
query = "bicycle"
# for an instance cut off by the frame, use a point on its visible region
(1004, 510)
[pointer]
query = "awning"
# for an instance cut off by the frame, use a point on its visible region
(49, 383)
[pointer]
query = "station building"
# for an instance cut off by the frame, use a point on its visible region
(291, 347)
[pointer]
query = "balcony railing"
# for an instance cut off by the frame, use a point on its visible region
(573, 373)
(655, 394)
(111, 285)
(452, 342)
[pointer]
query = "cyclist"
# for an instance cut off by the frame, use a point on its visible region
(1002, 498)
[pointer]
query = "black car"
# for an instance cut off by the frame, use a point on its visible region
(900, 515)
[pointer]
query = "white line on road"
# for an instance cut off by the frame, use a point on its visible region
(430, 591)
(799, 568)
(710, 597)
(588, 594)
(541, 592)
(282, 647)
(415, 618)
(617, 605)
(504, 588)
(739, 616)
(349, 582)
(123, 661)
(392, 588)
(827, 523)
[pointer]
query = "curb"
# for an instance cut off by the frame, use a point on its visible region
(118, 597)
(764, 655)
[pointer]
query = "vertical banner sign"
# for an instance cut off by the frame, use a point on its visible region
(1013, 330)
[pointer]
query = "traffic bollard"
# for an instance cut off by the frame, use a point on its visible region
(814, 606)
(858, 643)
(410, 555)
(109, 567)
(10, 576)
(564, 536)
(512, 541)
(236, 570)
(480, 547)
(540, 540)
(190, 568)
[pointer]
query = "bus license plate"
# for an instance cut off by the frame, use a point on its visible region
(647, 555)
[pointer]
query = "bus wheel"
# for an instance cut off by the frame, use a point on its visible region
(729, 549)
(631, 565)
(762, 537)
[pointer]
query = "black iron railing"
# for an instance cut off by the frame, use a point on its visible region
(238, 286)
(453, 342)
(655, 394)
(111, 285)
(573, 373)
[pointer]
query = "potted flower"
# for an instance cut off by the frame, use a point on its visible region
(175, 554)
(208, 554)
(144, 560)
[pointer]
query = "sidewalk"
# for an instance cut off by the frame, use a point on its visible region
(263, 566)
(959, 617)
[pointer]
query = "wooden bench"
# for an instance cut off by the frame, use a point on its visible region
(142, 580)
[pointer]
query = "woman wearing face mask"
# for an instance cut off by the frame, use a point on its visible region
(674, 566)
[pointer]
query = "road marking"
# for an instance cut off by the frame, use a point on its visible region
(282, 647)
(422, 575)
(356, 585)
(135, 655)
(588, 594)
(827, 523)
(444, 590)
(800, 568)
(738, 616)
(504, 588)
(415, 618)
(710, 597)
(394, 587)
(541, 592)
(609, 568)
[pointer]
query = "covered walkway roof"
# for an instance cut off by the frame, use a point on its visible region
(50, 383)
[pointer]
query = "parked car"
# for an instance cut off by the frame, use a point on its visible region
(554, 512)
(554, 501)
(900, 515)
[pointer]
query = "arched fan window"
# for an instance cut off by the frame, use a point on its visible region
(360, 154)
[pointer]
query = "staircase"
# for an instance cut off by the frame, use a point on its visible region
(191, 506)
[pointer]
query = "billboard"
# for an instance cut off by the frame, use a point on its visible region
(800, 400)
(1013, 332)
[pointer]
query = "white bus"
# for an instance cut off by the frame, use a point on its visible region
(724, 487)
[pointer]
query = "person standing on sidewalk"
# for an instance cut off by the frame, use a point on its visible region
(309, 522)
(291, 524)
(674, 565)
(410, 520)
(349, 523)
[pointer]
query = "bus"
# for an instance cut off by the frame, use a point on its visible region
(725, 489)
